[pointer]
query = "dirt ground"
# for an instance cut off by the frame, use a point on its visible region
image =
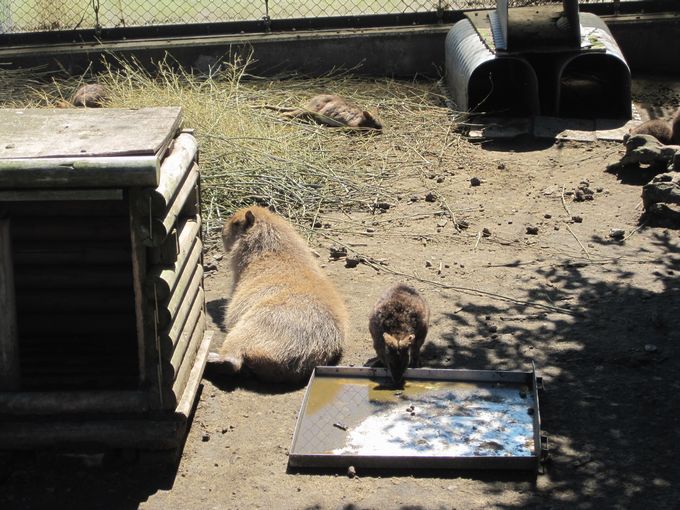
(597, 316)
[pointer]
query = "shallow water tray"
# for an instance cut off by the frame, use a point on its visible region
(461, 419)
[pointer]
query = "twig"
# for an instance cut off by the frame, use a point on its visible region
(579, 242)
(633, 232)
(479, 236)
(564, 204)
(443, 202)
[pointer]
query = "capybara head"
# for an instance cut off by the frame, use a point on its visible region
(397, 355)
(237, 225)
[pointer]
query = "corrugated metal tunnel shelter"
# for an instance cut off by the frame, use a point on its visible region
(543, 60)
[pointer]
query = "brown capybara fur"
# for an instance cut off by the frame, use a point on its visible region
(336, 111)
(398, 325)
(659, 129)
(92, 95)
(675, 127)
(285, 317)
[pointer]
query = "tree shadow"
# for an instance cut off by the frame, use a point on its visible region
(610, 364)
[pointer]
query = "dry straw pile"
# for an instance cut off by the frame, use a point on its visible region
(250, 155)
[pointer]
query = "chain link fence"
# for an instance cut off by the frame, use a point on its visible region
(55, 15)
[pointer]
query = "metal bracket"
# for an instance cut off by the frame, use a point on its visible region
(539, 384)
(545, 450)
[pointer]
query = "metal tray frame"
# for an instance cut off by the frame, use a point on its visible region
(329, 460)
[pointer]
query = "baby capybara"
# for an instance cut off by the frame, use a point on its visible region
(398, 325)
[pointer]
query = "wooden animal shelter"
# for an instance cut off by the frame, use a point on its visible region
(102, 312)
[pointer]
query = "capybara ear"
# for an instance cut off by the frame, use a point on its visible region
(250, 220)
(409, 339)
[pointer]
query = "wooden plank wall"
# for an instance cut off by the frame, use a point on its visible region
(75, 307)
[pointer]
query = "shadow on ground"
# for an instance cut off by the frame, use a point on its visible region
(611, 399)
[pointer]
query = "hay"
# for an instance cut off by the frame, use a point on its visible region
(250, 155)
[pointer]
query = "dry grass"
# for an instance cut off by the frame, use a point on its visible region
(250, 155)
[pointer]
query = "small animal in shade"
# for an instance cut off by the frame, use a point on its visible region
(398, 326)
(285, 316)
(91, 95)
(668, 133)
(334, 111)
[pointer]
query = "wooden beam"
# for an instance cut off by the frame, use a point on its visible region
(181, 341)
(9, 339)
(188, 396)
(191, 278)
(182, 378)
(57, 195)
(99, 172)
(174, 169)
(159, 227)
(65, 402)
(161, 280)
(147, 334)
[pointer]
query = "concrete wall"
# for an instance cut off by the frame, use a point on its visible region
(650, 44)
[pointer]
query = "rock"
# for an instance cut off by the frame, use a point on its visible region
(579, 196)
(370, 230)
(218, 256)
(428, 263)
(338, 252)
(351, 262)
(547, 216)
(414, 198)
(430, 197)
(650, 348)
(463, 224)
(351, 472)
(617, 233)
(663, 178)
(501, 166)
(531, 230)
(440, 180)
(577, 219)
(210, 266)
(599, 189)
(486, 232)
(383, 206)
(475, 181)
(205, 438)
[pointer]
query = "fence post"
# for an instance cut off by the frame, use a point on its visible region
(267, 20)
